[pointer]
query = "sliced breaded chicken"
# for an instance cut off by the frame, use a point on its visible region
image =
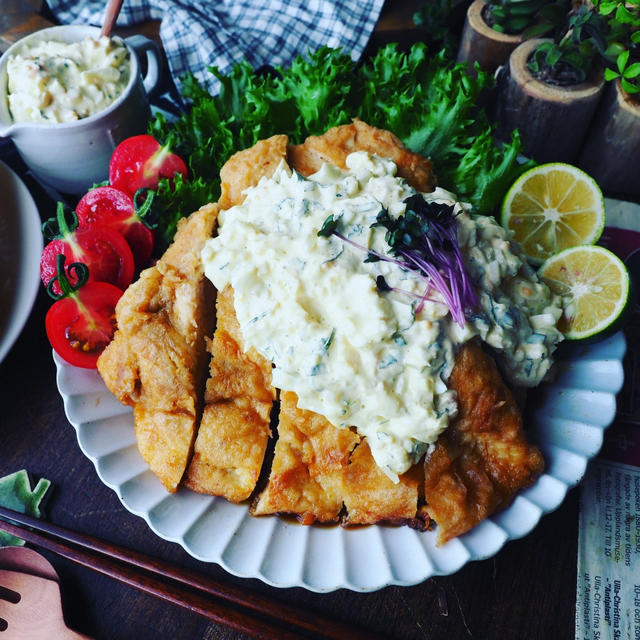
(297, 484)
(309, 466)
(245, 168)
(319, 473)
(482, 459)
(157, 360)
(318, 470)
(370, 496)
(335, 145)
(234, 430)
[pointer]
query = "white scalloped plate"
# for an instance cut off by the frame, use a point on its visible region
(568, 422)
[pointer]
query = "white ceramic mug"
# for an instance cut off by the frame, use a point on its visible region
(71, 156)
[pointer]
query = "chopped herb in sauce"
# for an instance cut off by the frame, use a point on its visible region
(423, 240)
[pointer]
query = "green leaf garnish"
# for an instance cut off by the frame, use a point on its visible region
(16, 494)
(329, 226)
(430, 103)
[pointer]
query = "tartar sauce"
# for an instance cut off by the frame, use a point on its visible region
(358, 356)
(53, 81)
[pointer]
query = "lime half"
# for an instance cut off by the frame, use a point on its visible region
(552, 207)
(594, 285)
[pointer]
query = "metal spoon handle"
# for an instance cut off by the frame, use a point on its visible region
(110, 16)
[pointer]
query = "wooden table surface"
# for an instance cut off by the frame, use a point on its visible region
(526, 592)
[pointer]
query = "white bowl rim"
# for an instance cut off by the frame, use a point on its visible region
(10, 127)
(30, 265)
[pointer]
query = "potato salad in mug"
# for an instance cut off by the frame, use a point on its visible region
(52, 82)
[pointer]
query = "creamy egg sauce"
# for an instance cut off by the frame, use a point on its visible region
(52, 81)
(358, 356)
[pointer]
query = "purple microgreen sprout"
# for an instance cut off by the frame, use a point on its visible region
(424, 241)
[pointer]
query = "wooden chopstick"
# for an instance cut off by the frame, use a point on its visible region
(255, 614)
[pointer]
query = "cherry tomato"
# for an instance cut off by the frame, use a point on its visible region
(140, 161)
(82, 321)
(80, 327)
(111, 207)
(103, 250)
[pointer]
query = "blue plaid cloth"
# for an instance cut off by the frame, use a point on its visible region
(200, 33)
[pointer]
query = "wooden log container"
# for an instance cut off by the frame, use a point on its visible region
(611, 152)
(552, 120)
(482, 44)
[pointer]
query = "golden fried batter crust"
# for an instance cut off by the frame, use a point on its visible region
(370, 496)
(335, 145)
(157, 361)
(482, 459)
(309, 466)
(245, 168)
(234, 429)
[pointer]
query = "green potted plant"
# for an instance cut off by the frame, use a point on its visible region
(551, 88)
(436, 20)
(611, 153)
(494, 28)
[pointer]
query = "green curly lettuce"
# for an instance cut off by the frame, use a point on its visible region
(431, 103)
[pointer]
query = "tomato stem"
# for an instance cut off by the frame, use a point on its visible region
(143, 209)
(57, 227)
(81, 272)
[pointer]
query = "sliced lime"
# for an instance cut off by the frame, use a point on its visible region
(594, 285)
(552, 207)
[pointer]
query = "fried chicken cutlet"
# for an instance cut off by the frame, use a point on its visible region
(317, 469)
(309, 466)
(157, 359)
(482, 459)
(488, 457)
(318, 472)
(234, 430)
